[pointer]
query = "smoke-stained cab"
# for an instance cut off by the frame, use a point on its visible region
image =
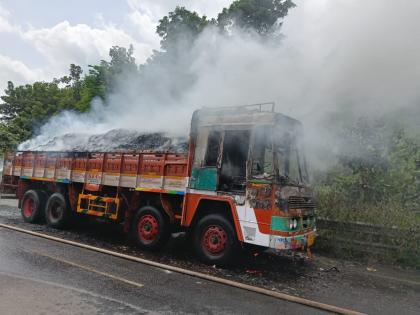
(256, 158)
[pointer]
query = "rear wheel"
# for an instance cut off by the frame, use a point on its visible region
(215, 240)
(57, 213)
(150, 228)
(33, 203)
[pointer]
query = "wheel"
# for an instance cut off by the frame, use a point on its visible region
(57, 213)
(215, 240)
(150, 228)
(33, 203)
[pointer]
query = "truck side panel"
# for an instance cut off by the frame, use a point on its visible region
(98, 180)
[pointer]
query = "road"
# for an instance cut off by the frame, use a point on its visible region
(52, 276)
(39, 276)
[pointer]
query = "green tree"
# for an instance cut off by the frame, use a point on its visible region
(180, 26)
(25, 108)
(122, 59)
(75, 76)
(93, 85)
(11, 106)
(104, 77)
(107, 75)
(263, 16)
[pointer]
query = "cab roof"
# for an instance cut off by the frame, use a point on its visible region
(255, 114)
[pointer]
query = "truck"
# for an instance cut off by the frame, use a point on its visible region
(242, 182)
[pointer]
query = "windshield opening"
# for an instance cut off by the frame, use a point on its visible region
(262, 153)
(278, 151)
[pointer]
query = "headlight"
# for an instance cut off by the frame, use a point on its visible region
(239, 200)
(293, 223)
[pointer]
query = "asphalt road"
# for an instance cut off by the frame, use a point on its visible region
(44, 276)
(39, 276)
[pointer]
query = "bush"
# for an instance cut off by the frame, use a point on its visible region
(373, 181)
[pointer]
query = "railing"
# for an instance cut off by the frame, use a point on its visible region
(368, 239)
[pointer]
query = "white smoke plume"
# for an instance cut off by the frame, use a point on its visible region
(338, 59)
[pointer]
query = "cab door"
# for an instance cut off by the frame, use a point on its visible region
(233, 164)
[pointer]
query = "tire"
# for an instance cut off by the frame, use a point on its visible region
(215, 240)
(33, 204)
(150, 229)
(57, 212)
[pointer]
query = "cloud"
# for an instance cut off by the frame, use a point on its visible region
(17, 72)
(65, 43)
(82, 44)
(145, 14)
(145, 28)
(5, 25)
(157, 9)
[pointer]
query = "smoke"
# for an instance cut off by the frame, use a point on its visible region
(336, 61)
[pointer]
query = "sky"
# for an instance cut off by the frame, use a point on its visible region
(40, 39)
(337, 58)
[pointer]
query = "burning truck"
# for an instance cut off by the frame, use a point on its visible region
(242, 181)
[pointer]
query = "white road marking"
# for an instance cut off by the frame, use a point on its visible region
(90, 269)
(62, 286)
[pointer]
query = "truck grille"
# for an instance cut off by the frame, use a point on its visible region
(296, 202)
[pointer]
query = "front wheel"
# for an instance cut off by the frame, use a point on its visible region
(215, 240)
(150, 228)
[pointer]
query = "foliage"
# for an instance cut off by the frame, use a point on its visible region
(27, 107)
(375, 178)
(180, 27)
(374, 181)
(263, 16)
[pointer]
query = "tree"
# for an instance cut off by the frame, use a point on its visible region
(263, 16)
(105, 77)
(93, 85)
(11, 106)
(122, 59)
(25, 108)
(180, 26)
(75, 72)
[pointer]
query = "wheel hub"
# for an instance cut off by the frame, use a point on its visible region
(56, 212)
(148, 228)
(214, 240)
(28, 207)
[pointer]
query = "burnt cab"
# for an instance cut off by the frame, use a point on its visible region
(255, 157)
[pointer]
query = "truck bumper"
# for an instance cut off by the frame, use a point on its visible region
(292, 242)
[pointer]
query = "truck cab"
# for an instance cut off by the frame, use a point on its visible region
(255, 156)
